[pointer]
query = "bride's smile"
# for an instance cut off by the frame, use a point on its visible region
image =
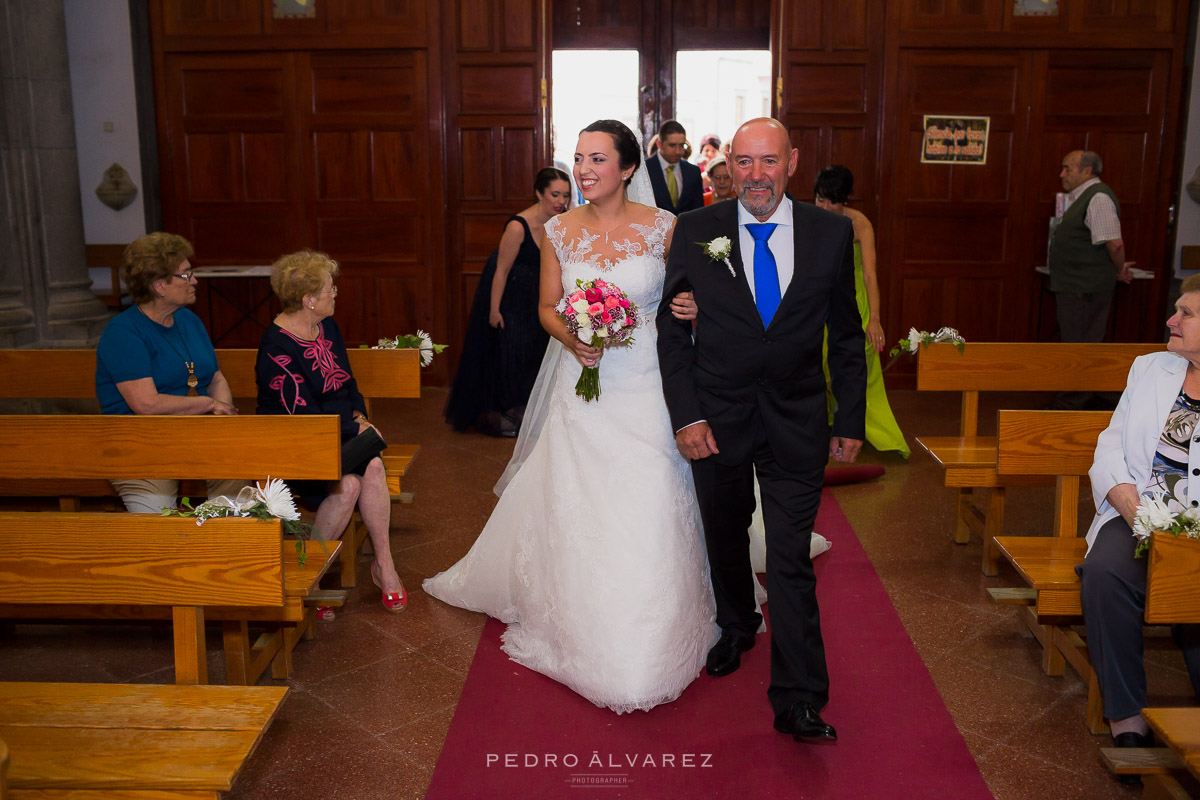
(598, 170)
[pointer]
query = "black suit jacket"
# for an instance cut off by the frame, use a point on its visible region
(691, 189)
(747, 381)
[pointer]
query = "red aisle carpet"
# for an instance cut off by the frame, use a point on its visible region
(517, 734)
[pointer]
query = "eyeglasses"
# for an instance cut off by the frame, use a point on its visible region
(331, 290)
(187, 276)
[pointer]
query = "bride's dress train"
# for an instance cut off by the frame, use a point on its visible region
(594, 555)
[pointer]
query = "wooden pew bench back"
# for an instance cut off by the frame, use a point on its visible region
(1027, 366)
(1048, 442)
(139, 559)
(128, 740)
(98, 446)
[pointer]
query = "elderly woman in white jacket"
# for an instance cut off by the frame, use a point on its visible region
(1146, 450)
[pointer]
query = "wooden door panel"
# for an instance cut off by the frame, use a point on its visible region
(395, 168)
(212, 17)
(235, 236)
(498, 89)
(345, 235)
(979, 305)
(210, 90)
(364, 89)
(210, 170)
(826, 88)
(519, 25)
(478, 154)
(955, 238)
(264, 170)
(403, 20)
(338, 163)
(1088, 90)
(951, 15)
(517, 168)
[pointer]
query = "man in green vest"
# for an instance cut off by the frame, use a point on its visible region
(1087, 257)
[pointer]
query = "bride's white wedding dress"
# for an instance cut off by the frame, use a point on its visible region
(594, 555)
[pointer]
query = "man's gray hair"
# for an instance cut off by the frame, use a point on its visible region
(1090, 158)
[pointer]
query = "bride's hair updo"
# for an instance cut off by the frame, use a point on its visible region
(629, 152)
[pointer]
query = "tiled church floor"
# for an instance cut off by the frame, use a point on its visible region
(372, 697)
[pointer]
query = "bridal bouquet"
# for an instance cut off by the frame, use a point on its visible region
(273, 501)
(602, 316)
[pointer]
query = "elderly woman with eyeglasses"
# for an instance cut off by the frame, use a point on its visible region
(303, 368)
(156, 358)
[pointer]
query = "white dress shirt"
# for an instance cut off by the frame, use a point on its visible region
(1101, 215)
(782, 245)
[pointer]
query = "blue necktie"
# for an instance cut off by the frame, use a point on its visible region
(766, 277)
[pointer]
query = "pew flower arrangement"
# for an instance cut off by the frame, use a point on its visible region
(416, 341)
(917, 338)
(1154, 515)
(273, 501)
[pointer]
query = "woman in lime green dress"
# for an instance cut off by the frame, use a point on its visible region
(832, 188)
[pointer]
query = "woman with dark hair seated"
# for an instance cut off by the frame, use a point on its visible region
(504, 343)
(302, 368)
(156, 358)
(1145, 452)
(832, 189)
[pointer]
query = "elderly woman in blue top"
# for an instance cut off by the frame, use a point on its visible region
(1145, 451)
(156, 357)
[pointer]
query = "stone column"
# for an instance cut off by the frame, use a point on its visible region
(45, 292)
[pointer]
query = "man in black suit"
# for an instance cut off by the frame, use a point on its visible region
(677, 185)
(746, 393)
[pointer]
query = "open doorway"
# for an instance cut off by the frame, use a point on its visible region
(589, 85)
(718, 90)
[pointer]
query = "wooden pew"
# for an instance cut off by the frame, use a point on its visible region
(968, 459)
(49, 455)
(66, 558)
(1060, 445)
(381, 374)
(82, 741)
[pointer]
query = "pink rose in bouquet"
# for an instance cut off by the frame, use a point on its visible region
(601, 316)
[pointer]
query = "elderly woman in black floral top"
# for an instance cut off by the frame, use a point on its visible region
(302, 368)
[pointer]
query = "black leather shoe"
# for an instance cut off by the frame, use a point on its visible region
(803, 722)
(726, 655)
(1132, 739)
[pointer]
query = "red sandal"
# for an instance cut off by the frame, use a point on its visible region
(392, 601)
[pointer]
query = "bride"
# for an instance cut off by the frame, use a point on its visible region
(594, 555)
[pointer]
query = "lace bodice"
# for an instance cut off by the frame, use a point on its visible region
(575, 244)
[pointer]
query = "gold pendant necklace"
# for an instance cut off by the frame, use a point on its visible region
(192, 380)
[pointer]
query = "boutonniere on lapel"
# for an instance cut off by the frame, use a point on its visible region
(718, 250)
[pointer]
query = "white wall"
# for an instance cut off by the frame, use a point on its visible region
(1187, 230)
(101, 60)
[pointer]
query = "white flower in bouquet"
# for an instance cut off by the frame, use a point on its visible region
(278, 499)
(1152, 515)
(580, 306)
(914, 340)
(585, 334)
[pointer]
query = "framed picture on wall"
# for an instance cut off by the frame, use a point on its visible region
(1035, 8)
(954, 139)
(294, 9)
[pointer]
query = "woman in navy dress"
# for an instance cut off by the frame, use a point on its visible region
(302, 368)
(505, 342)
